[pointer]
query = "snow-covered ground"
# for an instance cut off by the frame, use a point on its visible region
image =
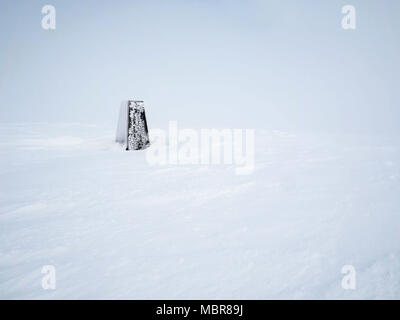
(115, 227)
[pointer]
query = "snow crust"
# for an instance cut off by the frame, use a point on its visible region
(115, 227)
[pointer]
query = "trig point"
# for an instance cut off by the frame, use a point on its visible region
(132, 129)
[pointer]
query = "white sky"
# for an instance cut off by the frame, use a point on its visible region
(284, 64)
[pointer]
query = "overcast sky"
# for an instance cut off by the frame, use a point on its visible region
(284, 64)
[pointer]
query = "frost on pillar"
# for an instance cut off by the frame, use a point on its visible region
(132, 129)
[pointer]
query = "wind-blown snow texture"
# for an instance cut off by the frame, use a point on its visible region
(115, 227)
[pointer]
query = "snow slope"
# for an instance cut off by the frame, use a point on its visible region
(115, 227)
